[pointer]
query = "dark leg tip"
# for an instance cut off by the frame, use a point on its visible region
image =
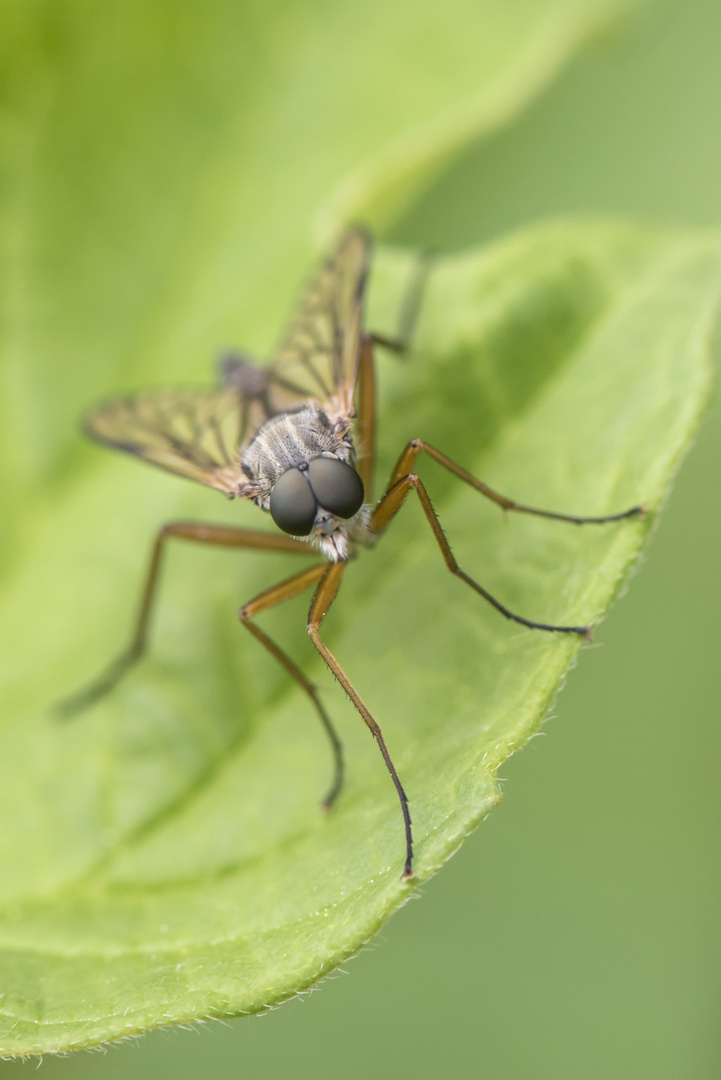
(407, 875)
(328, 801)
(70, 708)
(588, 633)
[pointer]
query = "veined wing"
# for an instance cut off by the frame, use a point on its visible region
(201, 433)
(196, 433)
(318, 358)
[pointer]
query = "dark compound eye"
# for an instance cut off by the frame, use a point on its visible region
(337, 487)
(292, 505)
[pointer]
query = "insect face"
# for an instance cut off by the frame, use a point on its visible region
(299, 467)
(316, 493)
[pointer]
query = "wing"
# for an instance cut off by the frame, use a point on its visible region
(201, 433)
(196, 433)
(318, 358)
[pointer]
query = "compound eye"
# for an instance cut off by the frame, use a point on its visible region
(337, 487)
(292, 505)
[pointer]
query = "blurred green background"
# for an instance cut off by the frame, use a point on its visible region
(585, 943)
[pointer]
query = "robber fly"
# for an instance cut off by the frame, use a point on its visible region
(297, 438)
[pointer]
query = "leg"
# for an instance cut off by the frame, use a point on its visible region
(407, 459)
(286, 590)
(410, 308)
(324, 596)
(389, 506)
(220, 535)
(366, 405)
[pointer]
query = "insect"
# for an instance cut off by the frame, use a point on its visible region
(296, 437)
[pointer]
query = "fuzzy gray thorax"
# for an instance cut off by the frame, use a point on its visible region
(292, 440)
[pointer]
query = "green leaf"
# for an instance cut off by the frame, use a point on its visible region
(164, 858)
(164, 168)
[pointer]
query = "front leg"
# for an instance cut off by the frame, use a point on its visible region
(404, 466)
(389, 506)
(286, 590)
(324, 596)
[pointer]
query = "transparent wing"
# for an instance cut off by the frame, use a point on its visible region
(196, 433)
(201, 433)
(318, 358)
